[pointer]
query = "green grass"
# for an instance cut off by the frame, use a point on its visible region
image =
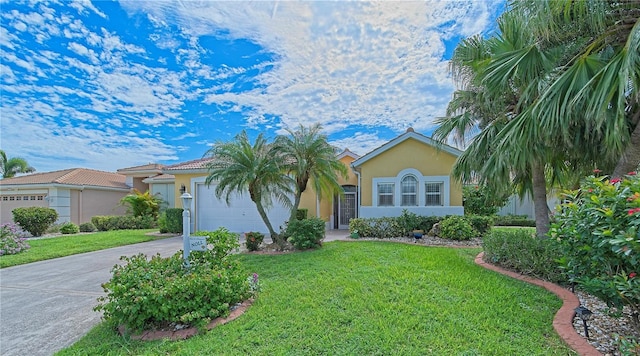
(369, 298)
(65, 245)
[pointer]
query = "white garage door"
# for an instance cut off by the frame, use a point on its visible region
(239, 216)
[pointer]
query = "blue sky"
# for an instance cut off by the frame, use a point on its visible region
(108, 84)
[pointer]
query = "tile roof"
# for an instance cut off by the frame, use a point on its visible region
(72, 176)
(194, 164)
(144, 167)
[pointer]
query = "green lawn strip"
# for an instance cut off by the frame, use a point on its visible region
(364, 298)
(66, 245)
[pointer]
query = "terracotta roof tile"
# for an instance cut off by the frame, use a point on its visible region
(194, 164)
(72, 176)
(144, 167)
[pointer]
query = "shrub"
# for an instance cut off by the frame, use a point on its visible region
(481, 200)
(162, 223)
(12, 240)
(174, 220)
(69, 228)
(513, 220)
(146, 294)
(53, 229)
(381, 228)
(307, 233)
(456, 228)
(253, 240)
(520, 250)
(35, 219)
(301, 214)
(142, 204)
(482, 224)
(598, 228)
(87, 227)
(116, 222)
(408, 221)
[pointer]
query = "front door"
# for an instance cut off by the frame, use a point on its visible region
(347, 205)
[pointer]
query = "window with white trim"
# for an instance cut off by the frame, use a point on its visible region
(385, 194)
(409, 191)
(433, 194)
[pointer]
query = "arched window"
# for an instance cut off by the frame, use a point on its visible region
(409, 191)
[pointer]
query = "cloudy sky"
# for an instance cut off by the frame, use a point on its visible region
(108, 84)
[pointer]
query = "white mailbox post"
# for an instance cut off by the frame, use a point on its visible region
(186, 226)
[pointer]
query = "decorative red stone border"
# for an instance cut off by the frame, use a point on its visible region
(188, 332)
(563, 320)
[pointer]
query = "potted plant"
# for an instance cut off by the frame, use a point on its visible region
(417, 233)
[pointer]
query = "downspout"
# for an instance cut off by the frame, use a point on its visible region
(357, 173)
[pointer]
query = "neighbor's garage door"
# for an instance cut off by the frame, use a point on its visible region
(239, 216)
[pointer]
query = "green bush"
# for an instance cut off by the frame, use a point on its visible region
(253, 240)
(480, 200)
(162, 223)
(142, 204)
(301, 214)
(307, 233)
(116, 222)
(388, 227)
(456, 228)
(146, 294)
(69, 228)
(87, 227)
(174, 220)
(519, 250)
(482, 224)
(513, 220)
(599, 231)
(34, 219)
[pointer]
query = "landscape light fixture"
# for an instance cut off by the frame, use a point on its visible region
(584, 314)
(186, 225)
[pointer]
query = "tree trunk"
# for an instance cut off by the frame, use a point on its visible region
(540, 200)
(296, 204)
(263, 214)
(630, 159)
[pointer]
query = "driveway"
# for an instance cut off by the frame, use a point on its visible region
(46, 306)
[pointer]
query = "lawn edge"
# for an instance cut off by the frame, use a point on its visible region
(563, 320)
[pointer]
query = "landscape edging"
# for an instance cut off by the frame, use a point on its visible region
(563, 320)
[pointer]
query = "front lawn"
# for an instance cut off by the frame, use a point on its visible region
(66, 245)
(365, 298)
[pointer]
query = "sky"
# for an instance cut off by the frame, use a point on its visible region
(114, 84)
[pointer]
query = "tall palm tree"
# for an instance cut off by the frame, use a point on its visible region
(9, 167)
(307, 156)
(499, 79)
(238, 167)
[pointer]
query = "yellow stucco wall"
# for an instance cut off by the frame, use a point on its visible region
(410, 153)
(308, 199)
(180, 179)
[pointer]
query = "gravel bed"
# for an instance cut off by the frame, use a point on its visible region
(603, 328)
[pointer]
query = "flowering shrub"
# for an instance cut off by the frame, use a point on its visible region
(145, 294)
(12, 240)
(599, 230)
(253, 240)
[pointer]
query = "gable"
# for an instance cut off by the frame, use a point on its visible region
(408, 153)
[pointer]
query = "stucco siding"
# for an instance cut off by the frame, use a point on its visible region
(99, 202)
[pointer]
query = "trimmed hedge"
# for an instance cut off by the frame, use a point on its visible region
(403, 225)
(513, 220)
(34, 219)
(69, 228)
(174, 220)
(307, 233)
(116, 222)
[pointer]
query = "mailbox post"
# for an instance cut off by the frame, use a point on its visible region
(186, 226)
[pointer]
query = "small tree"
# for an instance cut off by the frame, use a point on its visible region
(142, 204)
(480, 200)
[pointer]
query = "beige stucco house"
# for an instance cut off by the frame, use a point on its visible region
(409, 172)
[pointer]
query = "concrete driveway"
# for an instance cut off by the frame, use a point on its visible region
(46, 306)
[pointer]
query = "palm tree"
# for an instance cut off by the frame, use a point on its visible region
(239, 167)
(307, 156)
(14, 165)
(499, 79)
(594, 95)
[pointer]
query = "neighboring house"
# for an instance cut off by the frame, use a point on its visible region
(409, 172)
(150, 177)
(76, 194)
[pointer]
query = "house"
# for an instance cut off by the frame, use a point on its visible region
(76, 194)
(409, 172)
